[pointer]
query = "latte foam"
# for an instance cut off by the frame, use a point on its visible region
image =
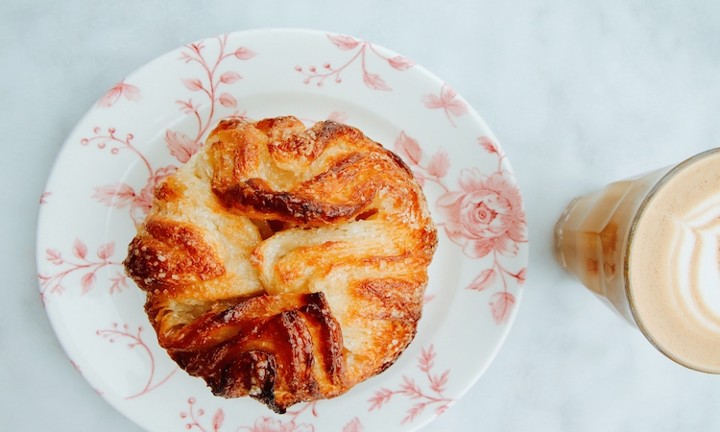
(674, 265)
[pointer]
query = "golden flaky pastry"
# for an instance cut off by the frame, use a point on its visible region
(285, 263)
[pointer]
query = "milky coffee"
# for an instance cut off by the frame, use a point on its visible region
(651, 247)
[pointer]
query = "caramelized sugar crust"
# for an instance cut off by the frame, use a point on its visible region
(284, 263)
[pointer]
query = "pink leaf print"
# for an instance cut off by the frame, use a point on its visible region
(87, 282)
(44, 197)
(193, 84)
(520, 276)
(343, 42)
(180, 145)
(227, 100)
(243, 53)
(54, 256)
(409, 148)
(439, 164)
(441, 409)
(410, 388)
(501, 304)
(437, 383)
(413, 412)
(118, 282)
(375, 82)
(426, 358)
(338, 116)
(186, 107)
(106, 251)
(353, 426)
(380, 398)
(433, 102)
(446, 102)
(401, 63)
(218, 419)
(79, 249)
(488, 144)
(484, 280)
(128, 91)
(229, 77)
(197, 47)
(456, 107)
(117, 195)
(419, 177)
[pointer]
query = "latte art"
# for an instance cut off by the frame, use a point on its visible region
(698, 271)
(674, 265)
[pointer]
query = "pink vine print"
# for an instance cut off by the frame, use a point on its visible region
(195, 420)
(348, 43)
(447, 102)
(134, 340)
(121, 195)
(80, 264)
(121, 89)
(192, 418)
(483, 216)
(431, 396)
(208, 86)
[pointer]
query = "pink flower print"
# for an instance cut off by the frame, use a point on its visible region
(485, 215)
(447, 102)
(121, 89)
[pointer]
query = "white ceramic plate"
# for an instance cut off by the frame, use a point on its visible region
(153, 120)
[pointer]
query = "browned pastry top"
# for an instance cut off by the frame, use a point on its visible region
(285, 263)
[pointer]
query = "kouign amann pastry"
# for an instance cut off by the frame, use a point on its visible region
(285, 263)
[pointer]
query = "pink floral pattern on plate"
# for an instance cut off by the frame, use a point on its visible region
(205, 86)
(448, 101)
(118, 162)
(119, 91)
(134, 340)
(361, 49)
(410, 389)
(82, 265)
(194, 420)
(120, 195)
(484, 216)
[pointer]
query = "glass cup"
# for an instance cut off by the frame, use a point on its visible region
(648, 247)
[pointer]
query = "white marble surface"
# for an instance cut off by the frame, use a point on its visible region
(579, 94)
